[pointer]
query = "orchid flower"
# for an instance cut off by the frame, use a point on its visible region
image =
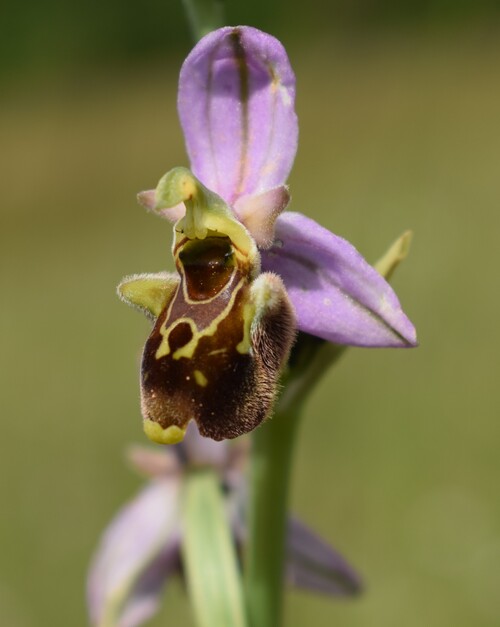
(249, 276)
(141, 548)
(248, 273)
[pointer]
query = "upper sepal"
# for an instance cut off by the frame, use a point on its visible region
(236, 105)
(337, 295)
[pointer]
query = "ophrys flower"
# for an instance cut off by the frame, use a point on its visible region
(248, 274)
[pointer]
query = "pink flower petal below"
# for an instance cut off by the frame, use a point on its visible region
(137, 553)
(236, 105)
(337, 295)
(312, 564)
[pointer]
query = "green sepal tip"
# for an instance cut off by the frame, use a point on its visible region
(395, 254)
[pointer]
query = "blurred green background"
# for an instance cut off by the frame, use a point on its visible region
(398, 462)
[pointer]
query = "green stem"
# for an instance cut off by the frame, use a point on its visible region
(271, 465)
(270, 476)
(204, 16)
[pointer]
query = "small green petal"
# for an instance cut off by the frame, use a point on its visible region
(148, 292)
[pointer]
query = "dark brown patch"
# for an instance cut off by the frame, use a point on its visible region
(208, 265)
(179, 336)
(240, 388)
(172, 396)
(241, 60)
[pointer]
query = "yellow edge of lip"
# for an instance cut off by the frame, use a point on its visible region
(170, 435)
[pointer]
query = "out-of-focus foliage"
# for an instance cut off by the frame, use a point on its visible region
(57, 35)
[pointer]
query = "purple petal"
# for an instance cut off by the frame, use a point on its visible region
(260, 212)
(147, 200)
(236, 105)
(154, 463)
(314, 565)
(196, 450)
(137, 553)
(337, 295)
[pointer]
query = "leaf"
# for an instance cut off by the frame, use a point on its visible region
(210, 562)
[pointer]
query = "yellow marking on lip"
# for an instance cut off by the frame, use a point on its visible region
(189, 349)
(164, 348)
(248, 315)
(200, 378)
(217, 351)
(170, 435)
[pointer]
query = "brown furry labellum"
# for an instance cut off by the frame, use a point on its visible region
(222, 332)
(218, 346)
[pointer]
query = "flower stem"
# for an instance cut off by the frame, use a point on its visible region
(270, 474)
(204, 16)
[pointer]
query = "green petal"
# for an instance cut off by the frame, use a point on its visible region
(149, 293)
